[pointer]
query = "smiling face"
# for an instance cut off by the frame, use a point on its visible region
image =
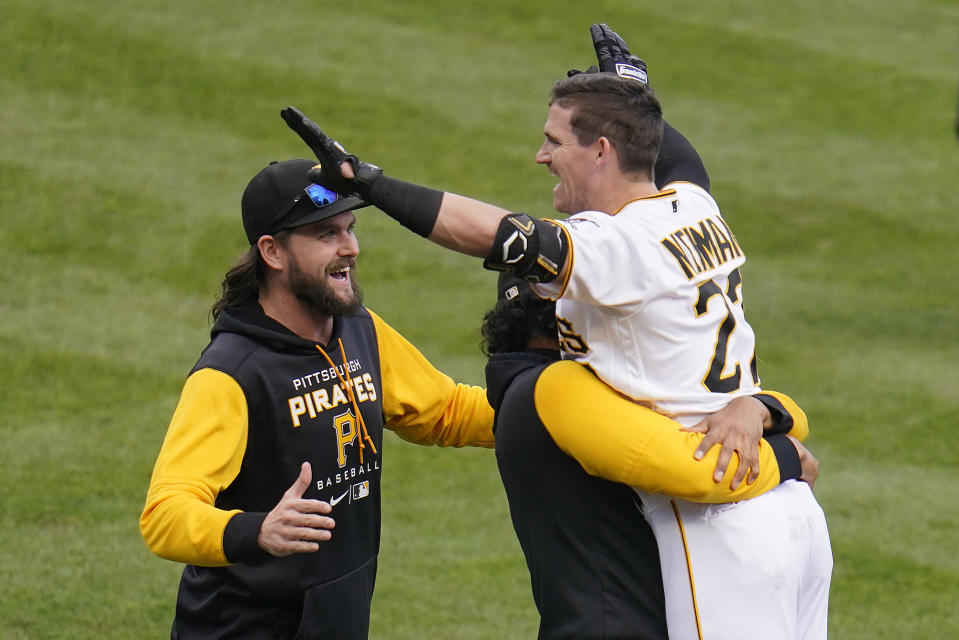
(567, 159)
(321, 259)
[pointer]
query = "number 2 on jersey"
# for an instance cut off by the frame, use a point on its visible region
(714, 380)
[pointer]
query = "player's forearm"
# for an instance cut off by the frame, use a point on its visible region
(668, 468)
(466, 225)
(528, 247)
(180, 526)
(458, 223)
(648, 451)
(452, 221)
(201, 455)
(621, 441)
(517, 243)
(466, 419)
(422, 404)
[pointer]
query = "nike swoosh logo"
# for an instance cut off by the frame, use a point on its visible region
(335, 501)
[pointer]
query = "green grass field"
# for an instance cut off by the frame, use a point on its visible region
(128, 131)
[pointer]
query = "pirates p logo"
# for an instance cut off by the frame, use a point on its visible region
(345, 427)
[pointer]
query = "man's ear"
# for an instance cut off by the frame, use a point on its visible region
(272, 252)
(605, 152)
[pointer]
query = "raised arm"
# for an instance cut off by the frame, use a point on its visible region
(455, 222)
(527, 246)
(678, 159)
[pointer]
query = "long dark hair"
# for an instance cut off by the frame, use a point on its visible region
(243, 281)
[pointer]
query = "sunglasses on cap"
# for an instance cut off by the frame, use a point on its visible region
(320, 195)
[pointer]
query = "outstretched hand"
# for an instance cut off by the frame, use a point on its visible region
(293, 526)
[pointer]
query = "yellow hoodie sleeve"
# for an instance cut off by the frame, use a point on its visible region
(425, 406)
(619, 440)
(200, 457)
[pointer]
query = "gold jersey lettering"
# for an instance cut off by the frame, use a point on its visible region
(702, 248)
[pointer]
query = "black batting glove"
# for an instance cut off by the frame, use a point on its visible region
(331, 155)
(612, 54)
(413, 206)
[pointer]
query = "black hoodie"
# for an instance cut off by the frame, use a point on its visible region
(259, 402)
(592, 558)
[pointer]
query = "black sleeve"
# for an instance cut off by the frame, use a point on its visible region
(240, 538)
(782, 420)
(790, 468)
(678, 161)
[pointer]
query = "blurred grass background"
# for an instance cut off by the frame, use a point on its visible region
(128, 131)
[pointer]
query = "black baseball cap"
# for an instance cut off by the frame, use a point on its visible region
(282, 196)
(510, 287)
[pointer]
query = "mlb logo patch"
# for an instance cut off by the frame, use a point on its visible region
(360, 490)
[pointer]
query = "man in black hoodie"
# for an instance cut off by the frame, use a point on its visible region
(267, 485)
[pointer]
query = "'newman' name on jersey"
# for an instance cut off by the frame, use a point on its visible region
(702, 248)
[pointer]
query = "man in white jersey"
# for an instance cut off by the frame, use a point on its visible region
(666, 326)
(649, 298)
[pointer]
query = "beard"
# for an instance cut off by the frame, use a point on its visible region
(316, 294)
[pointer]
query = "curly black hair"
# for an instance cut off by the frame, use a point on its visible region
(511, 323)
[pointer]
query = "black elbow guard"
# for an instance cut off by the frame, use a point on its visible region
(529, 248)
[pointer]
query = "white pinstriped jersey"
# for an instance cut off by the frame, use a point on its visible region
(652, 302)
